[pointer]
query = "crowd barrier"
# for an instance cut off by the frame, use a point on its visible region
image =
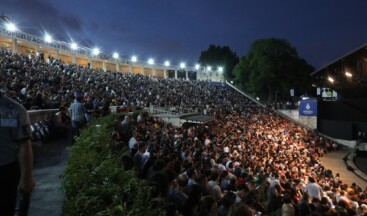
(41, 115)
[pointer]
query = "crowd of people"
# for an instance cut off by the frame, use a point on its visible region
(40, 84)
(248, 161)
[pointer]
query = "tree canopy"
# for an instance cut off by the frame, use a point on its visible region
(220, 56)
(271, 68)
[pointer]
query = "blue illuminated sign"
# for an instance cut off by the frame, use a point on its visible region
(308, 108)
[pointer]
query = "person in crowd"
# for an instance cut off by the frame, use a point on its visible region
(288, 208)
(207, 206)
(139, 157)
(213, 187)
(77, 116)
(313, 189)
(227, 201)
(89, 108)
(16, 157)
(240, 209)
(62, 123)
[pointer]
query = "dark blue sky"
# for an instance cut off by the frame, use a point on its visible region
(320, 30)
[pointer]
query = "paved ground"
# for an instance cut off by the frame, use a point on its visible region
(47, 198)
(334, 161)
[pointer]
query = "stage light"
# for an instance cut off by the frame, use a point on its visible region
(95, 51)
(48, 38)
(167, 63)
(11, 27)
(208, 68)
(115, 55)
(182, 65)
(134, 59)
(74, 46)
(331, 79)
(197, 66)
(151, 61)
(348, 74)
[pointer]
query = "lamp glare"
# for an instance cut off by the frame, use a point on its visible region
(220, 69)
(95, 51)
(48, 38)
(182, 65)
(134, 59)
(348, 74)
(11, 27)
(74, 46)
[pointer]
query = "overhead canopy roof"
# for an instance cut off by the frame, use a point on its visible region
(349, 74)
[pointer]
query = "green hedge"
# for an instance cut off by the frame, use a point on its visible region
(94, 182)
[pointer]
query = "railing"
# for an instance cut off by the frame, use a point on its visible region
(172, 111)
(40, 115)
(243, 93)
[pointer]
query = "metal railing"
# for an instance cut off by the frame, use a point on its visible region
(169, 111)
(247, 95)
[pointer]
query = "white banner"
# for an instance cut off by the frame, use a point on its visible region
(61, 46)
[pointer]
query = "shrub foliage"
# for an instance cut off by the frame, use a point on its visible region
(95, 183)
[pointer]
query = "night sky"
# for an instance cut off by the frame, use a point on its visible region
(177, 30)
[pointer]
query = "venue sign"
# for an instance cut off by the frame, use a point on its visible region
(61, 46)
(308, 108)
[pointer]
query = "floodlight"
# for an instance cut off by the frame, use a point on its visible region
(95, 51)
(11, 27)
(167, 63)
(220, 69)
(231, 81)
(257, 98)
(115, 55)
(348, 74)
(74, 46)
(182, 65)
(151, 61)
(331, 79)
(197, 66)
(208, 68)
(134, 59)
(48, 38)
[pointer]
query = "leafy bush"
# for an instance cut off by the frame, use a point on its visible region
(94, 182)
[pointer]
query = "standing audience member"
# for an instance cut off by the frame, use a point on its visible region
(88, 107)
(16, 157)
(313, 189)
(77, 116)
(139, 157)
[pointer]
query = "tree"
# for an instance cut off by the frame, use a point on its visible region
(220, 56)
(271, 68)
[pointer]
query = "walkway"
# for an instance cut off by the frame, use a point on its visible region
(47, 198)
(334, 161)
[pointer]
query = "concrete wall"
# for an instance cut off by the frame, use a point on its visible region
(40, 115)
